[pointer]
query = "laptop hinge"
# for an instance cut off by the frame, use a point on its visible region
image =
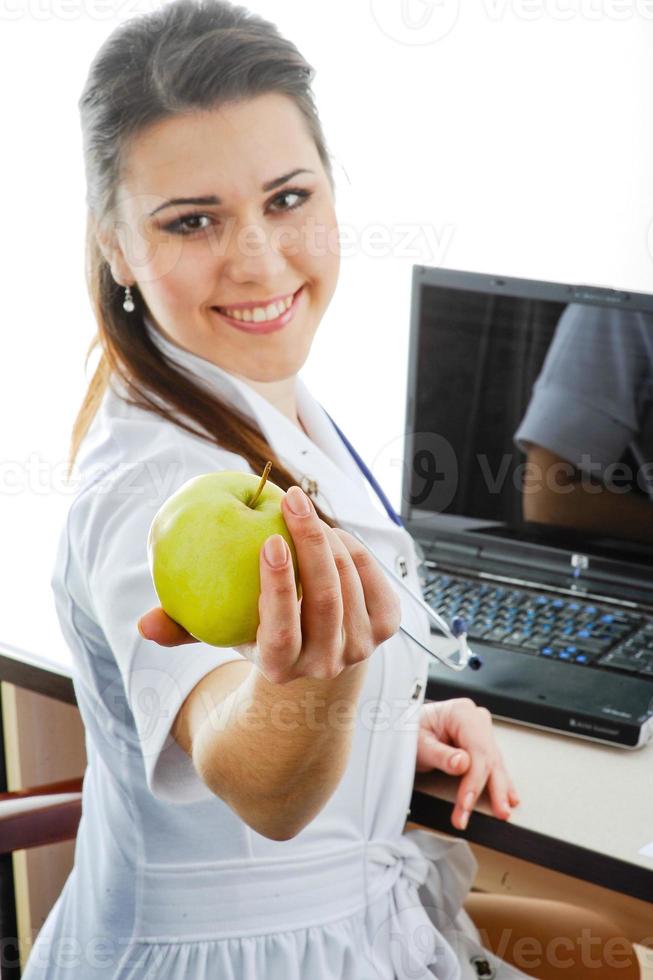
(547, 563)
(567, 577)
(454, 551)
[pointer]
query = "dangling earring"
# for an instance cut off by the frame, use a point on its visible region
(128, 303)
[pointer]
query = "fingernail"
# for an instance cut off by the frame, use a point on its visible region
(298, 502)
(276, 551)
(138, 627)
(463, 819)
(469, 800)
(456, 760)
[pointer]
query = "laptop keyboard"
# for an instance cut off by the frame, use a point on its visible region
(545, 625)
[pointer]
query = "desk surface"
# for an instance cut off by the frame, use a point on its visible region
(45, 675)
(586, 809)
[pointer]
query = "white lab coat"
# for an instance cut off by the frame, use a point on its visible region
(168, 882)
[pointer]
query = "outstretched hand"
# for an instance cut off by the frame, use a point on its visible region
(347, 607)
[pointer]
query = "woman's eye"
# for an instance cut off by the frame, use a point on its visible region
(177, 227)
(183, 226)
(302, 195)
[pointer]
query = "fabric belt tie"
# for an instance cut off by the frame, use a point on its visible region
(424, 937)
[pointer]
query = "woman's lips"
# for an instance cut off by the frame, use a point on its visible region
(266, 326)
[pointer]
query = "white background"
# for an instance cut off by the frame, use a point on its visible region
(505, 137)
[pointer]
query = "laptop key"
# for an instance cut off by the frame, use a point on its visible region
(627, 618)
(548, 650)
(477, 632)
(589, 646)
(619, 663)
(532, 643)
(516, 639)
(496, 634)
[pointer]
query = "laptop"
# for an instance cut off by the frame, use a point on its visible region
(558, 601)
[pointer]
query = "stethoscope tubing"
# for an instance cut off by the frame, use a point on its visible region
(462, 650)
(458, 634)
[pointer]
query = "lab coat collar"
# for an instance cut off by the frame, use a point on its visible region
(342, 490)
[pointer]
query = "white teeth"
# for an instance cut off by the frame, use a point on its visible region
(259, 314)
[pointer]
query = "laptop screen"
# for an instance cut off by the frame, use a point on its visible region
(530, 409)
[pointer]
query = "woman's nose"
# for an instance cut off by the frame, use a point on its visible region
(255, 253)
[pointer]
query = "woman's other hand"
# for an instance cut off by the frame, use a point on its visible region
(456, 736)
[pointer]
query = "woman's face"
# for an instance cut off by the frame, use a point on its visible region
(249, 245)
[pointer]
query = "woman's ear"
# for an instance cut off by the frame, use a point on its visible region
(110, 247)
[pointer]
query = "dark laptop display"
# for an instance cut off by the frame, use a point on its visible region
(528, 483)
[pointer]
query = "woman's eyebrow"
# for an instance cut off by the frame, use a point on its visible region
(214, 199)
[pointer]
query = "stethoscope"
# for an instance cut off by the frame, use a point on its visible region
(459, 656)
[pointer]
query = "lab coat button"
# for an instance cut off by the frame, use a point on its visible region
(484, 969)
(400, 566)
(309, 486)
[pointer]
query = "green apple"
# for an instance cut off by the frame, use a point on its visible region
(203, 551)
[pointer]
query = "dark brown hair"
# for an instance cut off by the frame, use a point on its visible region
(189, 55)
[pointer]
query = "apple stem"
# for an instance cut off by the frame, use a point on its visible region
(259, 489)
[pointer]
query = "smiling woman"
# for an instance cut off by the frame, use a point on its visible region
(252, 246)
(164, 132)
(243, 808)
